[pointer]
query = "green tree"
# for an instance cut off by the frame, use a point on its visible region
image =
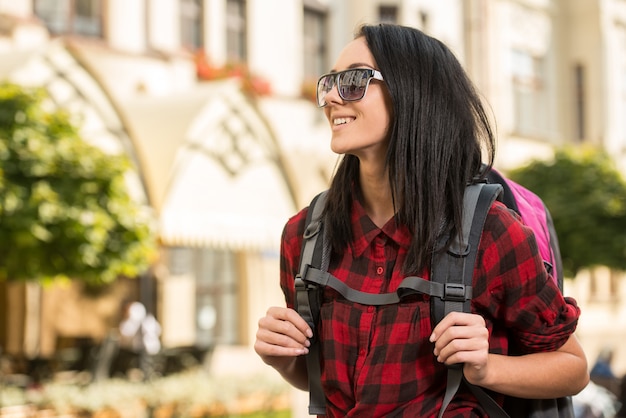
(65, 209)
(586, 196)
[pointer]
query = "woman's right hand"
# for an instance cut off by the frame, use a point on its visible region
(282, 333)
(281, 339)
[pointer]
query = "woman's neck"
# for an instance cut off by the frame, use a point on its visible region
(377, 199)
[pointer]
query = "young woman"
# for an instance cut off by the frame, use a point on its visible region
(411, 128)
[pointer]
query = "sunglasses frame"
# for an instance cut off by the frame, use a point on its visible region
(372, 74)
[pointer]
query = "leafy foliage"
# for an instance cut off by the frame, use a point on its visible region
(65, 210)
(586, 196)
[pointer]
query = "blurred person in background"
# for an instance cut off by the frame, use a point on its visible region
(139, 333)
(602, 367)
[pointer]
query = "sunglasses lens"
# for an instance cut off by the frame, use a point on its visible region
(353, 83)
(324, 85)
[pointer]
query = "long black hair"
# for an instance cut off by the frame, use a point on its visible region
(438, 133)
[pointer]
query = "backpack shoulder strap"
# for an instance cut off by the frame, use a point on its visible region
(455, 269)
(314, 253)
(311, 255)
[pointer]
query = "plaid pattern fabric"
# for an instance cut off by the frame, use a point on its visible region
(377, 361)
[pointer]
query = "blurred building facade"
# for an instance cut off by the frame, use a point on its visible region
(211, 100)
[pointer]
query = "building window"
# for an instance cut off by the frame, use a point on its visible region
(529, 93)
(191, 24)
(314, 44)
(217, 304)
(217, 298)
(388, 14)
(236, 45)
(78, 17)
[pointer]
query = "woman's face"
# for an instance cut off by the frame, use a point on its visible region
(359, 127)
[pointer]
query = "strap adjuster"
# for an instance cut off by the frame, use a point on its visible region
(456, 292)
(300, 280)
(299, 283)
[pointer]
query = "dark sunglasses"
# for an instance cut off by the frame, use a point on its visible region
(351, 84)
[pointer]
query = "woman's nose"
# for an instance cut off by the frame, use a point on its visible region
(333, 96)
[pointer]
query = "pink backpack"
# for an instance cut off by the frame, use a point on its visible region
(535, 215)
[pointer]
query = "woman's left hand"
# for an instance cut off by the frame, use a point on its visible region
(463, 338)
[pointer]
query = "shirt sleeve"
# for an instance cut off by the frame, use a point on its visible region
(290, 245)
(513, 290)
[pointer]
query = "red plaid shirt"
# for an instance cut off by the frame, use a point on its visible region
(377, 361)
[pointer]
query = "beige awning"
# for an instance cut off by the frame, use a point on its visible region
(214, 166)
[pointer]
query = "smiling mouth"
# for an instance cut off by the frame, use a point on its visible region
(342, 121)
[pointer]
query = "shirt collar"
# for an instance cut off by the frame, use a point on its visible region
(364, 231)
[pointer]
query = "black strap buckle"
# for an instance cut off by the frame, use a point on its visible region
(456, 292)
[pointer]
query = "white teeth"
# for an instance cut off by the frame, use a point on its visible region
(341, 121)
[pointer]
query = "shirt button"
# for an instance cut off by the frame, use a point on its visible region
(370, 309)
(362, 352)
(379, 270)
